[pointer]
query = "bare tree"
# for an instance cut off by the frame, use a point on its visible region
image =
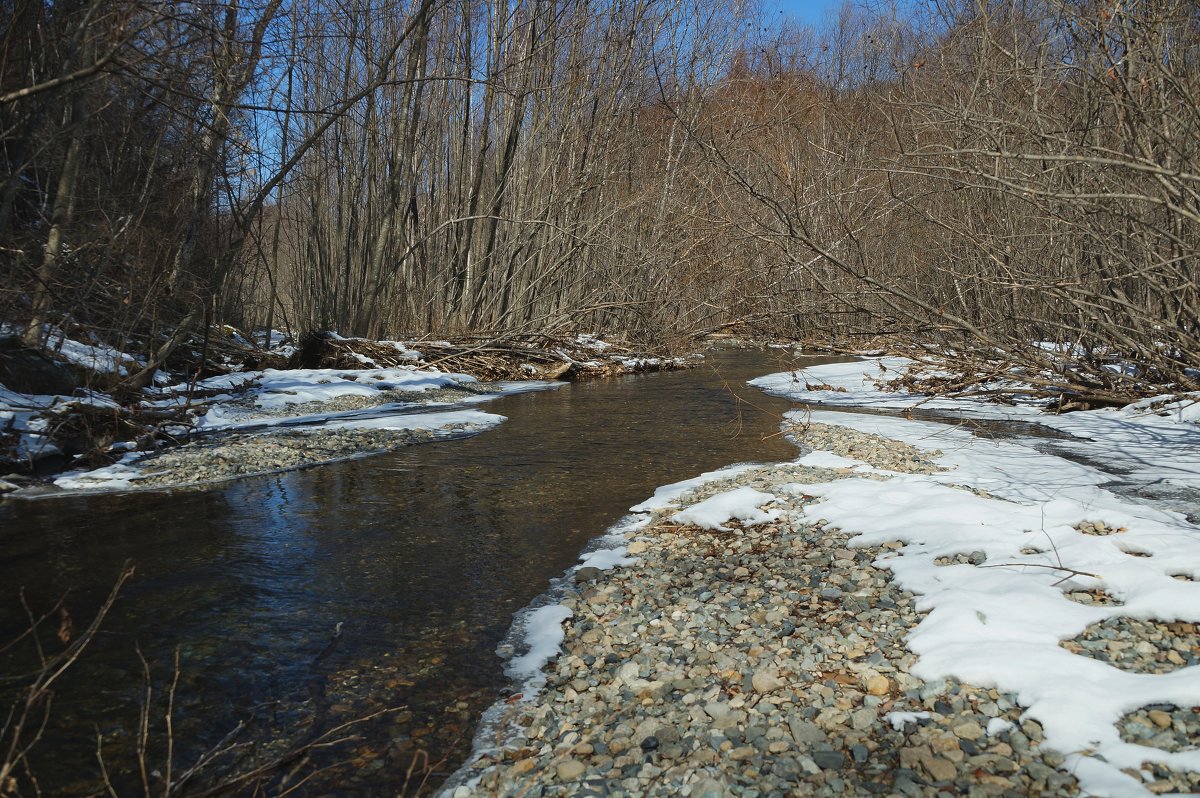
(1006, 182)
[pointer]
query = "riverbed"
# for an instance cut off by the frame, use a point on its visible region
(305, 600)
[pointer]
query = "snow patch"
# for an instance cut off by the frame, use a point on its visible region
(998, 726)
(740, 503)
(96, 357)
(668, 495)
(819, 459)
(999, 624)
(543, 634)
(899, 720)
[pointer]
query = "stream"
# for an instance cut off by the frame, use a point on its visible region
(373, 589)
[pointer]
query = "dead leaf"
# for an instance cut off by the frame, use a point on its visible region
(65, 627)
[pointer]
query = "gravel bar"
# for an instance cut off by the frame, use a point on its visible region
(221, 456)
(770, 660)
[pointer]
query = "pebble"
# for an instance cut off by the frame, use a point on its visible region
(968, 731)
(224, 456)
(570, 770)
(767, 658)
(587, 574)
(766, 682)
(878, 685)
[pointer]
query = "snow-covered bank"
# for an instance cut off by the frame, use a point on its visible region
(233, 456)
(357, 384)
(1064, 570)
(906, 609)
(311, 418)
(1055, 557)
(1155, 441)
(274, 420)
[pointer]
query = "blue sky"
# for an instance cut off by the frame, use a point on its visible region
(808, 11)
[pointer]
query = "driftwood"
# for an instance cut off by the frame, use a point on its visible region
(531, 357)
(85, 430)
(1003, 379)
(88, 430)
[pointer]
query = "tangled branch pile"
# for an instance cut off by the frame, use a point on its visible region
(535, 356)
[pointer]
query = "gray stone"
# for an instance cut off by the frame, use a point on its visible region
(829, 760)
(716, 710)
(587, 574)
(806, 733)
(709, 788)
(786, 767)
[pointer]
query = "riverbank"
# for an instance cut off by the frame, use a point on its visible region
(279, 420)
(907, 609)
(337, 398)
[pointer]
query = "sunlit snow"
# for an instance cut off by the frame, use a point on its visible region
(1000, 623)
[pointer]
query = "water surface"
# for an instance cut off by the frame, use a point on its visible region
(419, 557)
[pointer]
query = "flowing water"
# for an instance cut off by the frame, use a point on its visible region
(418, 558)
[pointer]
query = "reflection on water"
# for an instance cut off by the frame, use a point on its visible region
(419, 557)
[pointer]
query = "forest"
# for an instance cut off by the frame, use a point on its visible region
(241, 239)
(969, 178)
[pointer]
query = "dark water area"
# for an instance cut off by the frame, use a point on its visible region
(418, 557)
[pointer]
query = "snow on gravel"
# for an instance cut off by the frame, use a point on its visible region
(1032, 514)
(740, 503)
(258, 397)
(1155, 441)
